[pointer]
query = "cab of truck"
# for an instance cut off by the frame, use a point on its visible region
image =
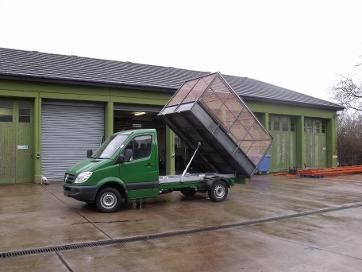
(124, 167)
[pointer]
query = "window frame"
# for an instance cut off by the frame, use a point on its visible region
(131, 141)
(27, 116)
(7, 105)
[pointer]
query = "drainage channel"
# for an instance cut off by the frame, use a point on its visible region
(122, 241)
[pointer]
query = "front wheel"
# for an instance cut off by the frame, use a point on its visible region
(218, 191)
(108, 200)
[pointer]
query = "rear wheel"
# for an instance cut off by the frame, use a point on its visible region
(218, 191)
(108, 199)
(188, 192)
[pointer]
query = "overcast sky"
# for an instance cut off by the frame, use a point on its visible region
(301, 45)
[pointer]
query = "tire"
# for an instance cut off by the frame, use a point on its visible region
(218, 191)
(188, 192)
(108, 200)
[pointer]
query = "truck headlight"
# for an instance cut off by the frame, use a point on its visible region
(83, 177)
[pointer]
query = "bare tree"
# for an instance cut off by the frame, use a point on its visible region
(348, 90)
(349, 93)
(349, 137)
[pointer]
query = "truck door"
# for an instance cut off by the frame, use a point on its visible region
(140, 173)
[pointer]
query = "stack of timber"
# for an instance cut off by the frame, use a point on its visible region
(323, 172)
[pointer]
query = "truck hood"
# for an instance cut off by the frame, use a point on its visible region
(90, 165)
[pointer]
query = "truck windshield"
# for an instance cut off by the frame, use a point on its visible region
(110, 146)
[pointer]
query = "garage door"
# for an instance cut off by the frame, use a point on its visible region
(315, 143)
(283, 152)
(68, 130)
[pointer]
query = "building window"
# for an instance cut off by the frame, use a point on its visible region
(317, 126)
(292, 125)
(276, 124)
(24, 113)
(6, 111)
(285, 125)
(324, 126)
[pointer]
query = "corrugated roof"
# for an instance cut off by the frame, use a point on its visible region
(73, 69)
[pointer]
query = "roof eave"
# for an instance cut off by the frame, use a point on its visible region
(88, 83)
(294, 103)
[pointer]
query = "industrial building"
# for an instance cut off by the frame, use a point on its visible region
(55, 107)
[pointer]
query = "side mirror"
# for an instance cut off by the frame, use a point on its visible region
(89, 153)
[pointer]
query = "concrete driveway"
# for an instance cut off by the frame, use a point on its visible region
(272, 223)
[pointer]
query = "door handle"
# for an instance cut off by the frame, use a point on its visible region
(148, 164)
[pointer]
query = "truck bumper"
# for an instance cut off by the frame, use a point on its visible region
(82, 193)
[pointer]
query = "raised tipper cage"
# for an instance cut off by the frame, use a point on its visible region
(207, 110)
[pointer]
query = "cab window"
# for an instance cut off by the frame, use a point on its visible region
(110, 146)
(140, 146)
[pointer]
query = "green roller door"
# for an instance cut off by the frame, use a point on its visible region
(16, 140)
(315, 143)
(283, 151)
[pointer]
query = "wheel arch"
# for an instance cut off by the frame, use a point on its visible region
(210, 181)
(121, 187)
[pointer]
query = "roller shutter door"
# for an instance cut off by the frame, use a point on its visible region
(68, 130)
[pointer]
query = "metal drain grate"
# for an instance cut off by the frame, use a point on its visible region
(51, 249)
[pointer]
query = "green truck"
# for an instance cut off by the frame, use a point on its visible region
(125, 168)
(206, 114)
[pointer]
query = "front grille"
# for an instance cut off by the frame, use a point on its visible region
(69, 178)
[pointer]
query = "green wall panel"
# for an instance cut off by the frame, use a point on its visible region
(300, 141)
(332, 142)
(37, 139)
(290, 110)
(109, 116)
(73, 92)
(38, 91)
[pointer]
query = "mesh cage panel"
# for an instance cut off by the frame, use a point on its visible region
(221, 90)
(245, 146)
(182, 93)
(225, 117)
(211, 102)
(254, 153)
(209, 96)
(238, 132)
(199, 88)
(234, 106)
(235, 118)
